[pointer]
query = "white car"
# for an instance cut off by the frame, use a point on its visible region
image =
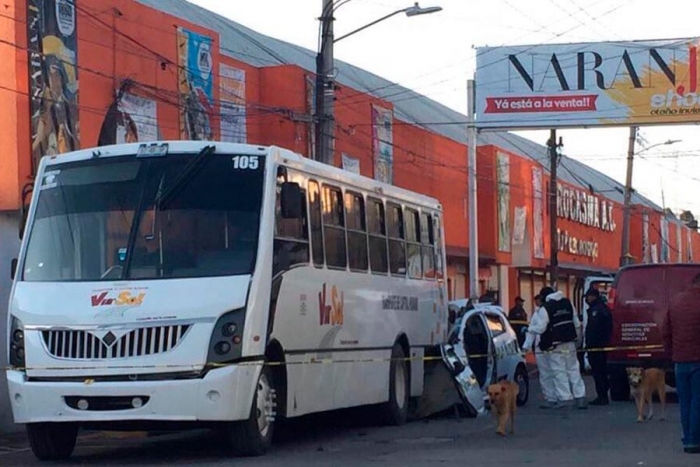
(482, 349)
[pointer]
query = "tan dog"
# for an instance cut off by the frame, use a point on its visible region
(503, 399)
(643, 384)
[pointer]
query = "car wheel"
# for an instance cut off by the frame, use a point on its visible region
(52, 441)
(253, 437)
(395, 411)
(523, 381)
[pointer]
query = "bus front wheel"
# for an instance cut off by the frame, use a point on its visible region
(52, 441)
(253, 437)
(396, 409)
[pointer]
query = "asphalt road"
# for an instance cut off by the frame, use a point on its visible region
(606, 436)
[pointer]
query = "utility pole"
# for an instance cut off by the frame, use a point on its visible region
(325, 88)
(625, 257)
(553, 234)
(472, 190)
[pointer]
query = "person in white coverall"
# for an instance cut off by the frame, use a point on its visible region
(538, 323)
(560, 334)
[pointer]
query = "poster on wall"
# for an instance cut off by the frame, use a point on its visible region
(689, 244)
(351, 164)
(538, 213)
(520, 218)
(679, 242)
(654, 253)
(665, 251)
(588, 84)
(646, 249)
(195, 64)
(53, 77)
(233, 104)
(503, 177)
(383, 144)
(129, 120)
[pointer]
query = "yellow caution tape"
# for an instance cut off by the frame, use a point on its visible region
(326, 361)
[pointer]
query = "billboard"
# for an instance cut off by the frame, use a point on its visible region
(195, 65)
(130, 119)
(53, 77)
(383, 143)
(588, 84)
(233, 104)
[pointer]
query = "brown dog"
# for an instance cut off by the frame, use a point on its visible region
(644, 383)
(503, 399)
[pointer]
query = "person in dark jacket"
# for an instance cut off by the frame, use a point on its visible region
(517, 316)
(681, 330)
(598, 333)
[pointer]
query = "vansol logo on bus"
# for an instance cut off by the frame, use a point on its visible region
(331, 314)
(123, 298)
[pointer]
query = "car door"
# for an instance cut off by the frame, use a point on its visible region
(455, 358)
(505, 343)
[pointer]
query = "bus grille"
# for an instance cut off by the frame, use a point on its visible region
(86, 345)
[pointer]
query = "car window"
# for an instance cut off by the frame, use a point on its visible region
(495, 324)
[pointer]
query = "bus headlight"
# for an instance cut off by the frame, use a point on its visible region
(226, 340)
(17, 357)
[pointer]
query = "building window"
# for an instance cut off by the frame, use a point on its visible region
(397, 244)
(377, 236)
(316, 224)
(334, 227)
(413, 247)
(357, 231)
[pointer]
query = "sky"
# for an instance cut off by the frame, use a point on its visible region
(435, 56)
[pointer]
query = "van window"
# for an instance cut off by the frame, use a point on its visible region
(357, 231)
(377, 236)
(413, 252)
(427, 236)
(334, 227)
(397, 245)
(316, 226)
(291, 245)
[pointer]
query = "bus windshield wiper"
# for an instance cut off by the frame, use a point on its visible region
(192, 168)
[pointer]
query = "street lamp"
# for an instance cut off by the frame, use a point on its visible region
(325, 86)
(625, 257)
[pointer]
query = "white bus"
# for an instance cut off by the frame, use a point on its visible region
(221, 285)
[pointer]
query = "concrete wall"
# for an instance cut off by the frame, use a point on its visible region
(9, 248)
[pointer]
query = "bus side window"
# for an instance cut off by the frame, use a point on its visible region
(377, 236)
(316, 226)
(334, 227)
(357, 231)
(413, 244)
(427, 236)
(437, 228)
(291, 246)
(397, 244)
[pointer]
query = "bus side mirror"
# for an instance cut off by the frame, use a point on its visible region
(290, 201)
(13, 268)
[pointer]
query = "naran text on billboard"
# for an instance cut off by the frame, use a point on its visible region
(588, 84)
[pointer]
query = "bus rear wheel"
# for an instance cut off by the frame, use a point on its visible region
(395, 411)
(52, 441)
(253, 437)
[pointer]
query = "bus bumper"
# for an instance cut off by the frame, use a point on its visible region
(223, 394)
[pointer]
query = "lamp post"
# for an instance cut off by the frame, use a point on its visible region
(325, 79)
(625, 257)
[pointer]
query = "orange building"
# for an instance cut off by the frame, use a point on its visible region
(81, 73)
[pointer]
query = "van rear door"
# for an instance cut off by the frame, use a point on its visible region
(638, 313)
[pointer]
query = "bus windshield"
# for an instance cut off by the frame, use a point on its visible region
(103, 219)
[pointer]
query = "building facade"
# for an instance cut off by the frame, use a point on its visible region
(80, 73)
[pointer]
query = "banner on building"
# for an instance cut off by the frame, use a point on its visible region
(53, 77)
(689, 243)
(129, 120)
(351, 164)
(503, 180)
(233, 104)
(537, 214)
(588, 84)
(654, 253)
(679, 242)
(195, 65)
(519, 223)
(665, 251)
(646, 248)
(383, 144)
